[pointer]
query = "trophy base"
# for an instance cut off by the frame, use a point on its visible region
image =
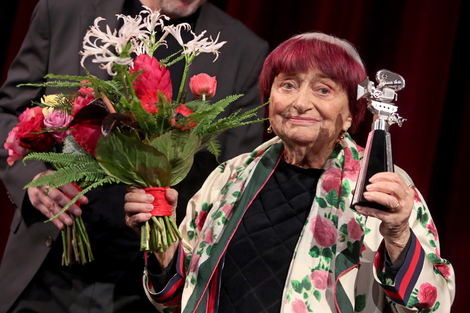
(377, 158)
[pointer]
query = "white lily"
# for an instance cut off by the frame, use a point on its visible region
(204, 45)
(175, 31)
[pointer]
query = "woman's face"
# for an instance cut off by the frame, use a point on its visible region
(308, 109)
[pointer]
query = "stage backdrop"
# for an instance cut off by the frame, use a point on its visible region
(422, 40)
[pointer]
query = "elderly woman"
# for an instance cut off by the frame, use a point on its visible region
(273, 231)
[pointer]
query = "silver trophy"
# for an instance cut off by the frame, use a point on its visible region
(378, 153)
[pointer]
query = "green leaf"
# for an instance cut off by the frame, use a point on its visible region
(360, 303)
(179, 148)
(327, 254)
(434, 258)
(297, 286)
(355, 153)
(314, 252)
(317, 295)
(332, 198)
(133, 162)
(345, 188)
(424, 219)
(306, 283)
(321, 202)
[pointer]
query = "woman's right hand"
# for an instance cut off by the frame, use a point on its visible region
(139, 205)
(50, 202)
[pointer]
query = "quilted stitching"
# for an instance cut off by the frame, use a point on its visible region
(259, 255)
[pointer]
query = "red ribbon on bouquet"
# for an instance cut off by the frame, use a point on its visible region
(161, 207)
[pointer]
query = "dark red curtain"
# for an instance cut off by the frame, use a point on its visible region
(422, 40)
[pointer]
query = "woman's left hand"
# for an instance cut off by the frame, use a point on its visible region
(391, 191)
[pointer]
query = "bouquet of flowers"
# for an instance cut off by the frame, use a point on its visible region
(126, 131)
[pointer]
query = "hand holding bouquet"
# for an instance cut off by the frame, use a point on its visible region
(128, 131)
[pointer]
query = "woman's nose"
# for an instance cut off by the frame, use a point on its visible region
(304, 101)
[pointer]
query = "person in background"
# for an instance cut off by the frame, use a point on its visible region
(31, 275)
(274, 231)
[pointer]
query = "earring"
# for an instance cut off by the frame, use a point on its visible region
(270, 129)
(343, 134)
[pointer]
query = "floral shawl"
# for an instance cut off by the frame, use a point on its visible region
(338, 262)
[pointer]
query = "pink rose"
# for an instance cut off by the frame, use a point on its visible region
(180, 118)
(15, 150)
(31, 122)
(321, 279)
(354, 230)
(444, 269)
(430, 226)
(332, 180)
(427, 295)
(58, 119)
(86, 95)
(29, 113)
(194, 262)
(227, 209)
(298, 306)
(351, 166)
(209, 238)
(323, 231)
(203, 85)
(154, 76)
(201, 219)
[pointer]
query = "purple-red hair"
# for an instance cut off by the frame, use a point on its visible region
(334, 57)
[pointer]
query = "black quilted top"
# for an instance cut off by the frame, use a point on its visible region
(258, 257)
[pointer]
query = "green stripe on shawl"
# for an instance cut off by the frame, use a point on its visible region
(261, 174)
(344, 261)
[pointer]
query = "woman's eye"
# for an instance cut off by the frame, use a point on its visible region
(323, 91)
(287, 86)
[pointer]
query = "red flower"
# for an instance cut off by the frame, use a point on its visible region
(15, 150)
(86, 95)
(86, 135)
(427, 295)
(430, 226)
(321, 279)
(31, 122)
(201, 219)
(155, 76)
(323, 231)
(203, 85)
(149, 101)
(354, 230)
(180, 119)
(444, 269)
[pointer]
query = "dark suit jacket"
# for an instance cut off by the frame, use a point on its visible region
(51, 46)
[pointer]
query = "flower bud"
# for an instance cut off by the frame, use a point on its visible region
(203, 86)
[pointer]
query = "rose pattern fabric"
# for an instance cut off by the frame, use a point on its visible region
(321, 279)
(324, 231)
(427, 295)
(313, 278)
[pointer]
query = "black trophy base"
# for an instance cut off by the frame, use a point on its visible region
(377, 159)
